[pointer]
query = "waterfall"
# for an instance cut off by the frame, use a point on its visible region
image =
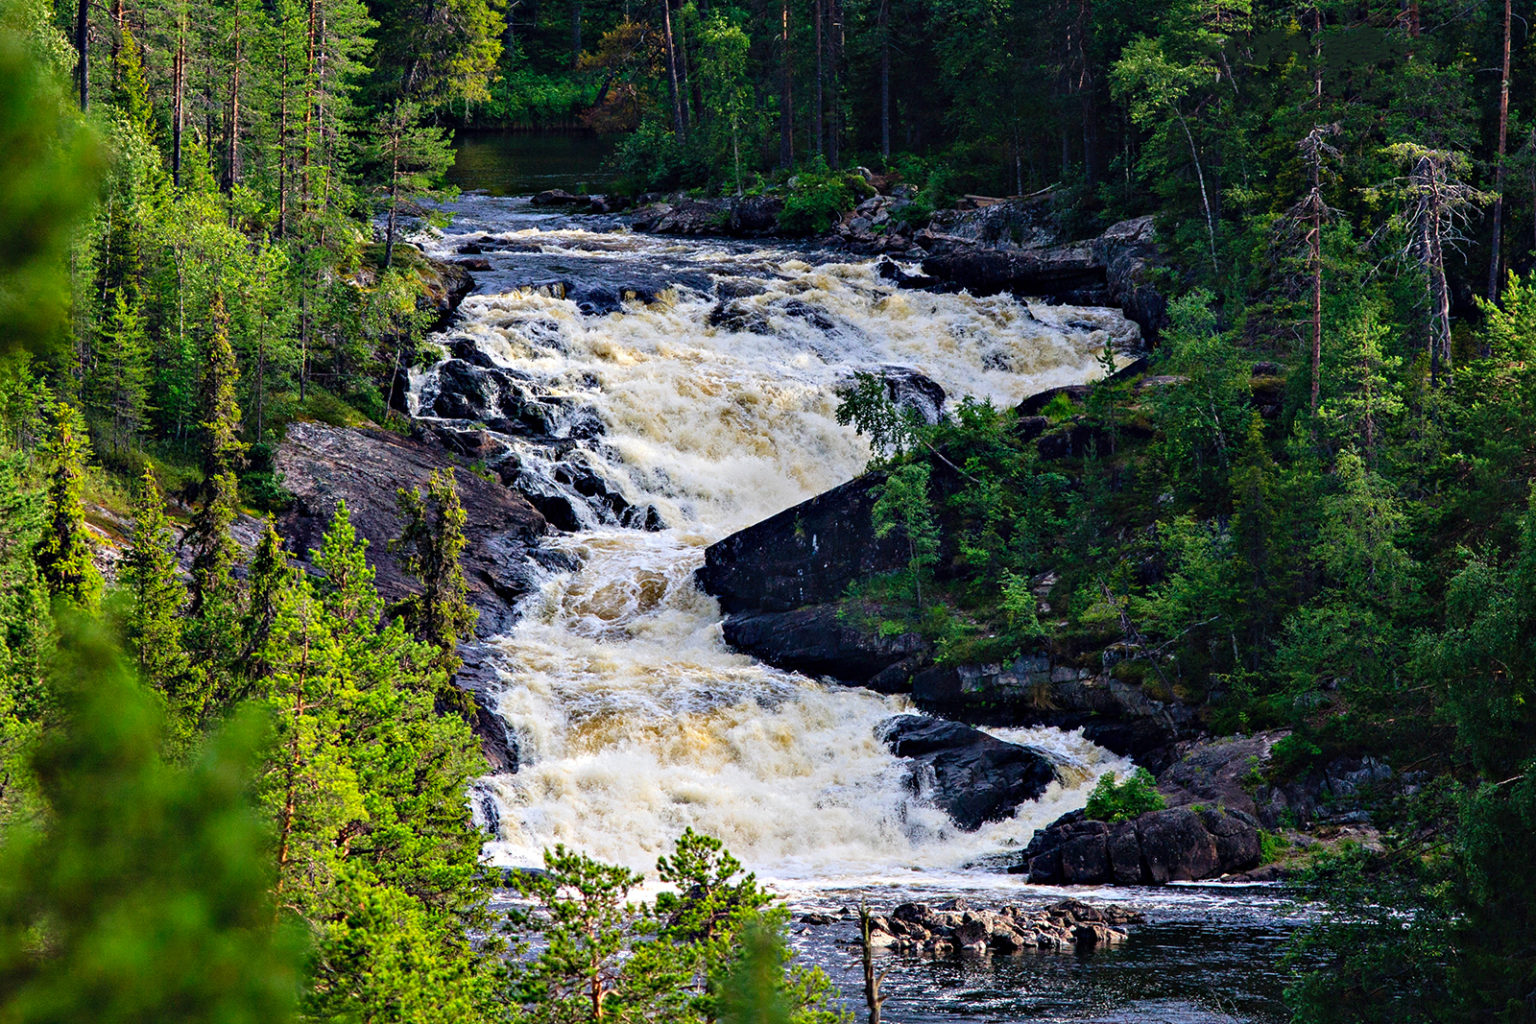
(654, 395)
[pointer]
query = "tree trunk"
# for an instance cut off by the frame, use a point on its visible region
(817, 121)
(835, 101)
(178, 95)
(83, 49)
(394, 203)
(786, 92)
(1498, 180)
(575, 32)
(673, 92)
(885, 79)
(233, 154)
(1205, 198)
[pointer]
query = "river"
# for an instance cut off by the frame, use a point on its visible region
(705, 410)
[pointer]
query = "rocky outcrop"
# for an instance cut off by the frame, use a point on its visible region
(322, 465)
(1041, 690)
(955, 929)
(732, 216)
(806, 555)
(1235, 773)
(974, 777)
(1113, 269)
(822, 641)
(1174, 845)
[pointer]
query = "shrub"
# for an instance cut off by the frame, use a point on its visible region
(818, 200)
(1113, 801)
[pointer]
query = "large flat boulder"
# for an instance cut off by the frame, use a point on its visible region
(974, 777)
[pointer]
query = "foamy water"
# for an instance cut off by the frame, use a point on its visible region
(634, 719)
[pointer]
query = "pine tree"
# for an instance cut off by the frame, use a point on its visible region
(64, 551)
(348, 591)
(156, 594)
(430, 542)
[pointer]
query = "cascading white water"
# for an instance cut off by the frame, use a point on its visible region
(717, 404)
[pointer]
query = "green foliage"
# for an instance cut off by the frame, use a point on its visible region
(817, 199)
(156, 596)
(711, 947)
(146, 897)
(430, 541)
(49, 161)
(905, 508)
(1114, 801)
(63, 553)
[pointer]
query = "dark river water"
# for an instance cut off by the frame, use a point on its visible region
(522, 163)
(1205, 956)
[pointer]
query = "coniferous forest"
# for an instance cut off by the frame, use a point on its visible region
(233, 770)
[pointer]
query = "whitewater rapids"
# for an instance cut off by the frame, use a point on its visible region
(634, 720)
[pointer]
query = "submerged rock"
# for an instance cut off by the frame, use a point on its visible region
(974, 777)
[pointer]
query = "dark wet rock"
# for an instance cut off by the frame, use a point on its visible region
(974, 777)
(890, 270)
(1114, 269)
(739, 318)
(508, 401)
(805, 555)
(559, 197)
(1173, 845)
(957, 928)
(913, 391)
(820, 641)
(480, 678)
(608, 204)
(1040, 690)
(475, 263)
(322, 465)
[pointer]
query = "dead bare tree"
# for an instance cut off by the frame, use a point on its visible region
(1436, 204)
(872, 997)
(1309, 215)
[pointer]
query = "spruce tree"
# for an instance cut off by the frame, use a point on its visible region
(431, 542)
(213, 635)
(64, 552)
(157, 596)
(269, 573)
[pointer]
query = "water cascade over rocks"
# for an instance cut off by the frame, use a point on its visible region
(651, 396)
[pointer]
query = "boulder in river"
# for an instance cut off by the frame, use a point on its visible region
(1179, 844)
(974, 777)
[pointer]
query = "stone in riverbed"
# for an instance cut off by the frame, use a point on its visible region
(1065, 926)
(974, 777)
